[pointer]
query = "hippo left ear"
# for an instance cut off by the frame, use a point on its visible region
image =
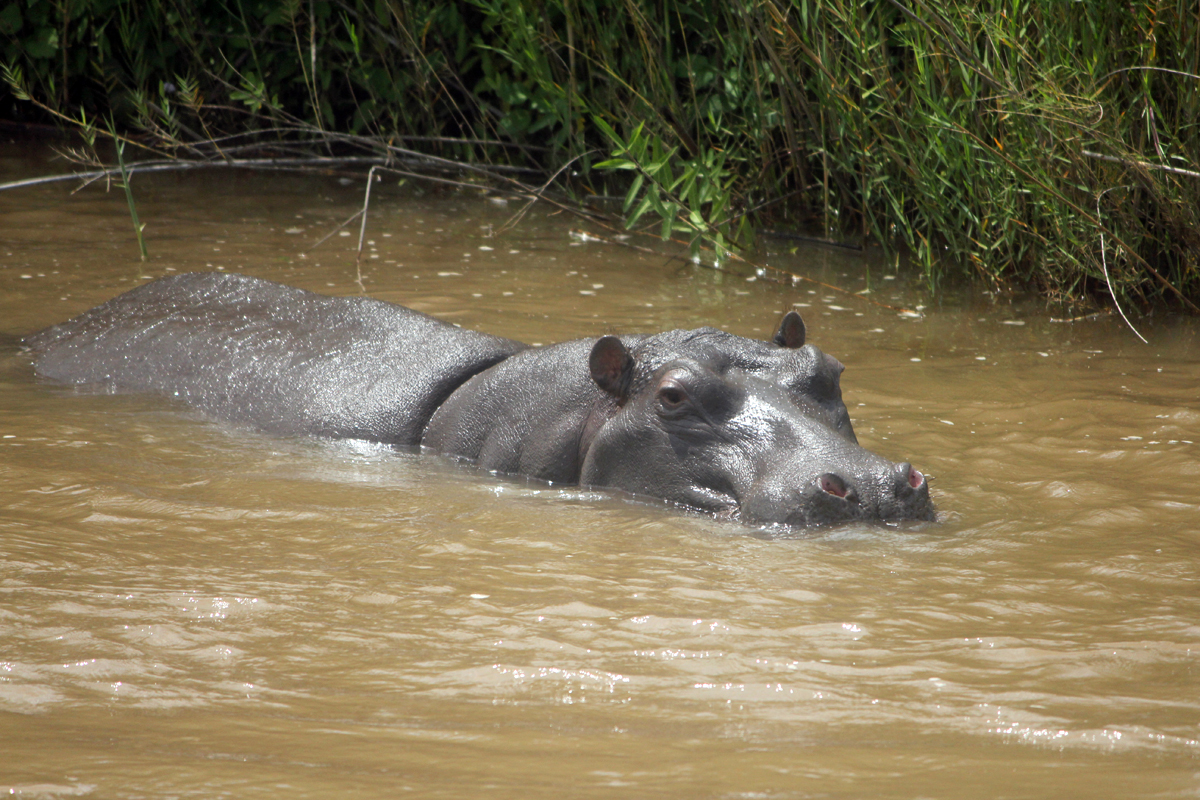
(611, 366)
(791, 331)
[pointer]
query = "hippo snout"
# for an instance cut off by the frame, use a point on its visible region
(891, 493)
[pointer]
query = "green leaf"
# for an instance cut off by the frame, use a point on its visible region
(15, 78)
(668, 226)
(633, 191)
(10, 19)
(616, 163)
(632, 219)
(44, 44)
(607, 130)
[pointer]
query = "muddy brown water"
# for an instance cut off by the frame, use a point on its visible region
(189, 609)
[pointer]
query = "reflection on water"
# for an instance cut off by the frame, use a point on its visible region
(189, 608)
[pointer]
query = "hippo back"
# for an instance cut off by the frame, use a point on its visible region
(284, 360)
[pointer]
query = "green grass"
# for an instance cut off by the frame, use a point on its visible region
(1000, 141)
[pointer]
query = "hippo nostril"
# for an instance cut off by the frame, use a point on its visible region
(837, 486)
(832, 484)
(915, 478)
(908, 478)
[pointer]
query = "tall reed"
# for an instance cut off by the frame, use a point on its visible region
(1000, 140)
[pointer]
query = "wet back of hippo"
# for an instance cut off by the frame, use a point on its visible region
(284, 360)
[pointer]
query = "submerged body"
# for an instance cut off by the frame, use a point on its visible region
(745, 429)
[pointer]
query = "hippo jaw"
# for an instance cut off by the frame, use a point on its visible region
(738, 446)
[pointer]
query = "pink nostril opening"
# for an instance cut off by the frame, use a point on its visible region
(915, 478)
(833, 485)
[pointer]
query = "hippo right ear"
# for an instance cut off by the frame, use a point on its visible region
(611, 366)
(791, 331)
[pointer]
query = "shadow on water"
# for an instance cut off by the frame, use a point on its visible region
(193, 608)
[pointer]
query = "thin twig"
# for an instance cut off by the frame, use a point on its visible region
(362, 231)
(137, 225)
(178, 166)
(1155, 69)
(1093, 315)
(799, 237)
(51, 179)
(539, 193)
(325, 238)
(1143, 164)
(587, 236)
(522, 190)
(300, 163)
(1104, 265)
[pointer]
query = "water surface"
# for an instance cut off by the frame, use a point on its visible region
(192, 609)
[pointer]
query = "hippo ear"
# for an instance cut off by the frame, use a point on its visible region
(611, 366)
(791, 331)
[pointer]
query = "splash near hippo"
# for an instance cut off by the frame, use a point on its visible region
(749, 430)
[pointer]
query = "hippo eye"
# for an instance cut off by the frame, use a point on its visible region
(671, 397)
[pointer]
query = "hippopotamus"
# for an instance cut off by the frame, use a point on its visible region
(743, 429)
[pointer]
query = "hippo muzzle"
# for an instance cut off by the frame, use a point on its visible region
(887, 492)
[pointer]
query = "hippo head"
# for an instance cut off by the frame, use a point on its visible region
(810, 377)
(760, 440)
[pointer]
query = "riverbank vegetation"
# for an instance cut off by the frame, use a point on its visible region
(1037, 143)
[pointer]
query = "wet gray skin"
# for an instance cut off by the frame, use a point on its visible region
(282, 360)
(737, 445)
(811, 378)
(719, 427)
(745, 429)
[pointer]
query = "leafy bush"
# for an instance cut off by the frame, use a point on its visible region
(1030, 141)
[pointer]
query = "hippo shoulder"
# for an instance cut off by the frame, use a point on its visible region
(529, 414)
